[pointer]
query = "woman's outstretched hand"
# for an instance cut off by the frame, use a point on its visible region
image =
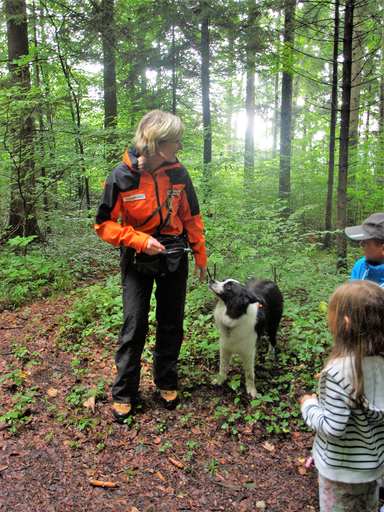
(153, 247)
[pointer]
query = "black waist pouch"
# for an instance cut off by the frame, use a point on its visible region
(165, 262)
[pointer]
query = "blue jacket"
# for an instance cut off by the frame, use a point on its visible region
(363, 270)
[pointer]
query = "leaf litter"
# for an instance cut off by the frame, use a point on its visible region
(70, 455)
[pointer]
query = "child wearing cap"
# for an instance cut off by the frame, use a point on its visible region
(371, 237)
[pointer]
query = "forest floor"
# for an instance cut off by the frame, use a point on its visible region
(58, 452)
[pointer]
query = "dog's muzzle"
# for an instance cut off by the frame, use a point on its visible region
(213, 286)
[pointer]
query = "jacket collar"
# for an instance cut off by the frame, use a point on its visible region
(131, 156)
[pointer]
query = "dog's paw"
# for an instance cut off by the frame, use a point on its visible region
(251, 390)
(271, 352)
(218, 380)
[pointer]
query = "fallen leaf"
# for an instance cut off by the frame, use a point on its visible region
(52, 392)
(260, 504)
(157, 440)
(268, 446)
(300, 459)
(114, 368)
(133, 509)
(302, 470)
(196, 430)
(175, 462)
(99, 483)
(89, 472)
(160, 476)
(90, 403)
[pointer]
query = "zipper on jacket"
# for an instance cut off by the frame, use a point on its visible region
(157, 197)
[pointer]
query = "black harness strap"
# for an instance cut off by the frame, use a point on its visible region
(168, 202)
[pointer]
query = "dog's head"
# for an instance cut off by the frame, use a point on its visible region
(226, 290)
(234, 295)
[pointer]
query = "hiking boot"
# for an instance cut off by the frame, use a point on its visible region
(169, 399)
(121, 411)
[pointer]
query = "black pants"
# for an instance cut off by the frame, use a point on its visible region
(170, 302)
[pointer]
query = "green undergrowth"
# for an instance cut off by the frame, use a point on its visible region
(71, 253)
(305, 273)
(304, 342)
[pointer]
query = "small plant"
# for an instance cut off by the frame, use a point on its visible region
(212, 467)
(15, 377)
(162, 427)
(130, 473)
(185, 419)
(20, 351)
(167, 446)
(192, 445)
(76, 396)
(19, 413)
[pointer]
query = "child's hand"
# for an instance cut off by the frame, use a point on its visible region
(305, 398)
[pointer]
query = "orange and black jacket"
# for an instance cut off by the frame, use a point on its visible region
(135, 195)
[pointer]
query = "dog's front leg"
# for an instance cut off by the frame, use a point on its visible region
(271, 352)
(249, 366)
(225, 357)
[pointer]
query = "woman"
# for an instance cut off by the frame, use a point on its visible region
(153, 193)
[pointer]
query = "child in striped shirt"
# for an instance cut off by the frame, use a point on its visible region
(348, 415)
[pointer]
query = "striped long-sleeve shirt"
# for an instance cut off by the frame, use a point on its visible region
(349, 442)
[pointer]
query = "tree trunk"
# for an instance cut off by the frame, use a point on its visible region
(357, 66)
(357, 59)
(22, 218)
(381, 106)
(109, 75)
(332, 130)
(174, 84)
(344, 135)
(286, 104)
(275, 126)
(205, 58)
(249, 148)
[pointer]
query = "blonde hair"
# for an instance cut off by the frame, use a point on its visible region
(156, 127)
(361, 334)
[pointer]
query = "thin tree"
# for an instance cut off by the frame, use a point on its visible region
(344, 134)
(109, 75)
(286, 103)
(205, 84)
(332, 130)
(275, 120)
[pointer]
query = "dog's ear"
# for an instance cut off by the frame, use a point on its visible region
(253, 297)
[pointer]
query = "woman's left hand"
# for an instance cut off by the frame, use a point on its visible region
(203, 272)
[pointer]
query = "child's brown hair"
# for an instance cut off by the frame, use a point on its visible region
(356, 321)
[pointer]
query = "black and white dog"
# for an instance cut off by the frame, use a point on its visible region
(242, 314)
